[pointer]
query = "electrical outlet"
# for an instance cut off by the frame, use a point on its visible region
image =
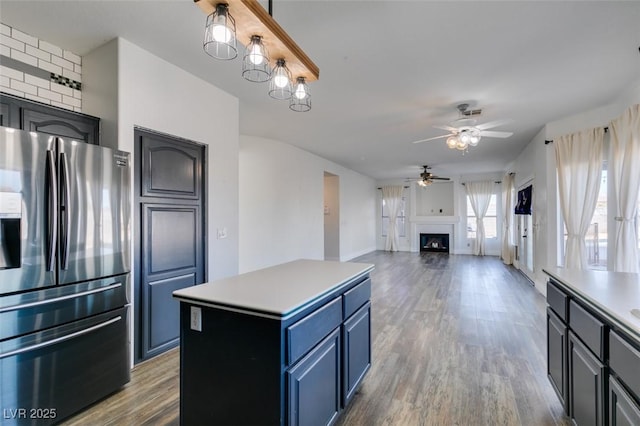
(196, 318)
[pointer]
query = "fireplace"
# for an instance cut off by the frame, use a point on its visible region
(434, 243)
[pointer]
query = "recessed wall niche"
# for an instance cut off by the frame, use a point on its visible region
(435, 199)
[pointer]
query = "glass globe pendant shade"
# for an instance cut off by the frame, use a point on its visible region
(452, 142)
(280, 84)
(301, 99)
(255, 64)
(461, 145)
(465, 137)
(220, 34)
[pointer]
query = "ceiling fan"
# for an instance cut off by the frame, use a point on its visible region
(427, 178)
(464, 131)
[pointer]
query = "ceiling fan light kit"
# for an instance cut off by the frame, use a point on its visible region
(427, 178)
(270, 55)
(464, 132)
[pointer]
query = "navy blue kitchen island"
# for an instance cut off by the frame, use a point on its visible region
(287, 344)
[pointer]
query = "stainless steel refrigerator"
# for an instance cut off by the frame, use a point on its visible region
(64, 275)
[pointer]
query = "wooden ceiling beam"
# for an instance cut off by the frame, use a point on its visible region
(252, 19)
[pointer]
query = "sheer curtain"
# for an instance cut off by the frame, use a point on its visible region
(579, 165)
(392, 197)
(480, 196)
(508, 188)
(625, 169)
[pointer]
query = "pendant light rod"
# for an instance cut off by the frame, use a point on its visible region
(252, 19)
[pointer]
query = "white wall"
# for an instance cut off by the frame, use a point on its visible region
(543, 170)
(331, 217)
(152, 93)
(282, 205)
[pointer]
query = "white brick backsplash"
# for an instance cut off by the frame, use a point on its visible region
(24, 87)
(59, 88)
(12, 92)
(50, 48)
(72, 75)
(12, 43)
(26, 38)
(11, 73)
(37, 81)
(62, 62)
(71, 101)
(48, 94)
(70, 56)
(39, 53)
(56, 69)
(23, 57)
(61, 105)
(38, 98)
(48, 57)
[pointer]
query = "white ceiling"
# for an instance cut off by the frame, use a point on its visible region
(389, 70)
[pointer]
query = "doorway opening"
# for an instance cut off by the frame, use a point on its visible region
(331, 216)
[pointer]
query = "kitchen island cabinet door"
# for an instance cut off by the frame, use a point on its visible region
(586, 385)
(314, 385)
(357, 350)
(557, 356)
(623, 410)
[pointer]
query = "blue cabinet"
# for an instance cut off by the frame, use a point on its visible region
(245, 367)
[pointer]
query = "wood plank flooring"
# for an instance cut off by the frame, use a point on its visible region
(457, 340)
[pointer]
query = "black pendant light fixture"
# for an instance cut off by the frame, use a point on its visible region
(301, 99)
(270, 53)
(255, 64)
(280, 84)
(220, 34)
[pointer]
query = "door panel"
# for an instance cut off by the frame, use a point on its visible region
(184, 161)
(36, 118)
(170, 238)
(94, 199)
(23, 211)
(164, 310)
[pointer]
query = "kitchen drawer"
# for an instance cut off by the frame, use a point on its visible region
(558, 300)
(356, 297)
(624, 360)
(588, 328)
(306, 333)
(623, 410)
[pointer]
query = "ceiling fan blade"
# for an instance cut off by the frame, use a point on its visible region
(431, 139)
(439, 178)
(492, 124)
(447, 128)
(492, 134)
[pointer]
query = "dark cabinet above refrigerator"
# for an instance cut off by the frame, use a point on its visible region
(24, 114)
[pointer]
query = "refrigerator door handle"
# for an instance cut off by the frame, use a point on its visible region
(61, 338)
(61, 298)
(65, 211)
(52, 219)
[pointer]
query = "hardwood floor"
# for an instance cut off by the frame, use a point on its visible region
(457, 340)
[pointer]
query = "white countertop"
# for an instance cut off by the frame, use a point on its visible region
(279, 290)
(613, 294)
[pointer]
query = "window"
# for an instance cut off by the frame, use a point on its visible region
(598, 232)
(490, 220)
(400, 220)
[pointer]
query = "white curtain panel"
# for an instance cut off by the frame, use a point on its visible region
(579, 165)
(392, 196)
(625, 170)
(508, 188)
(480, 196)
